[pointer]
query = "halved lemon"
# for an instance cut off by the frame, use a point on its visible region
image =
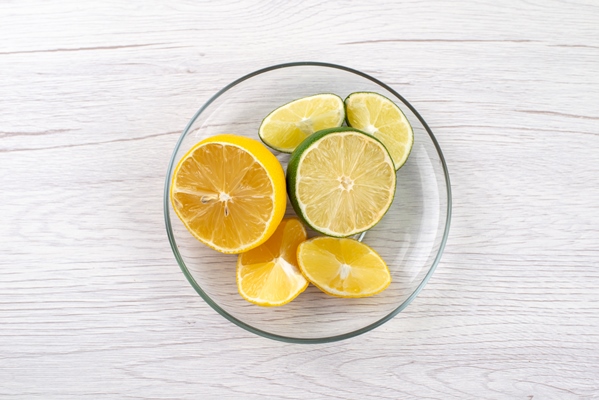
(343, 267)
(229, 192)
(341, 181)
(375, 114)
(269, 275)
(287, 126)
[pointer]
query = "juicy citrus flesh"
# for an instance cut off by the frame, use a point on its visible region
(229, 192)
(286, 127)
(345, 183)
(268, 275)
(382, 118)
(343, 267)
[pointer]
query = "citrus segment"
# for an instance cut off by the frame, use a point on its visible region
(343, 267)
(268, 275)
(229, 192)
(287, 126)
(382, 118)
(341, 181)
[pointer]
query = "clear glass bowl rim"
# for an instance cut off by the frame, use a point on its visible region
(248, 327)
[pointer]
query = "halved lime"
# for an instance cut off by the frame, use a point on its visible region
(341, 181)
(375, 114)
(287, 126)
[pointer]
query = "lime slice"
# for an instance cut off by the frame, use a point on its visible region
(287, 126)
(341, 181)
(375, 114)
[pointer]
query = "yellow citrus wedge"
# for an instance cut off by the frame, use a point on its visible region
(268, 275)
(287, 126)
(375, 114)
(343, 267)
(229, 192)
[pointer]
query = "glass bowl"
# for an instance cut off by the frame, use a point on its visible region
(410, 238)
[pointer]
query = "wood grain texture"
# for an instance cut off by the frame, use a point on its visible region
(94, 97)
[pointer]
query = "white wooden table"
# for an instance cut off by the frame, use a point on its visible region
(93, 96)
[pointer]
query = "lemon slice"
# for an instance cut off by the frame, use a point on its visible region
(341, 181)
(343, 267)
(375, 114)
(229, 192)
(287, 126)
(268, 275)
